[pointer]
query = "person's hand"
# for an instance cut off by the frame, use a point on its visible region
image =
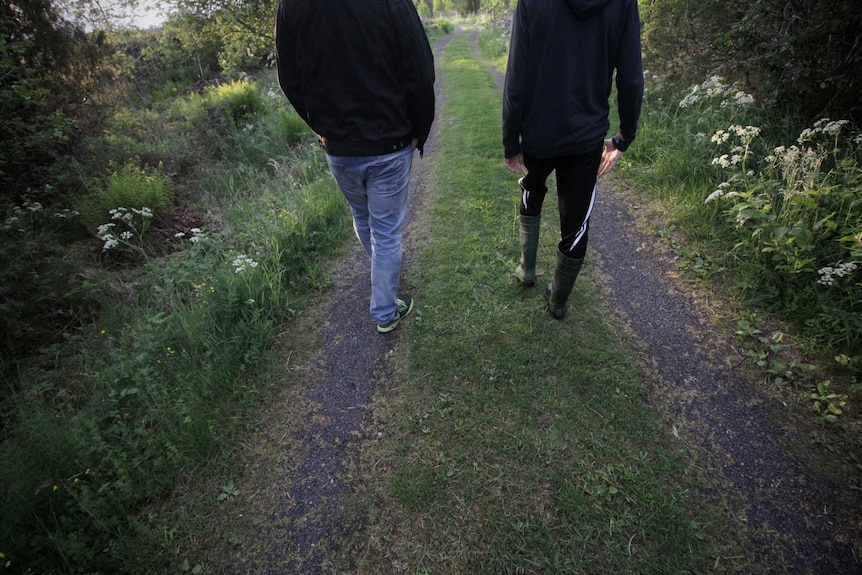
(515, 164)
(610, 156)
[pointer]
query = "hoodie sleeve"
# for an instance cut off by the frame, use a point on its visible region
(418, 68)
(287, 61)
(630, 79)
(515, 88)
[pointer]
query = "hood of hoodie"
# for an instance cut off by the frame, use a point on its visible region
(586, 8)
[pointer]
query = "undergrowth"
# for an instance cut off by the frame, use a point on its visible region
(137, 386)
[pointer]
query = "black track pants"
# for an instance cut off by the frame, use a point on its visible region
(576, 193)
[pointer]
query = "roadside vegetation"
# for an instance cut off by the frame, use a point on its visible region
(142, 292)
(165, 214)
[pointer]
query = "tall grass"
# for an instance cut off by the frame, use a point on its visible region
(147, 396)
(775, 204)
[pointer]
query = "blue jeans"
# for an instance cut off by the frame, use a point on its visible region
(376, 189)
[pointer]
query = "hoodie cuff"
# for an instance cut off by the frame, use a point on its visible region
(620, 144)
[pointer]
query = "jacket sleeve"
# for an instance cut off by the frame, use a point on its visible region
(630, 79)
(515, 88)
(417, 68)
(287, 61)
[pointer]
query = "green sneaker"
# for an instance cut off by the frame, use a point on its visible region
(405, 306)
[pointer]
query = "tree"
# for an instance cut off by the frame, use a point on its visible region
(244, 28)
(47, 67)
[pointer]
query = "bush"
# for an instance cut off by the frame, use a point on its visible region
(778, 208)
(803, 56)
(42, 295)
(797, 216)
(128, 188)
(47, 68)
(290, 127)
(234, 102)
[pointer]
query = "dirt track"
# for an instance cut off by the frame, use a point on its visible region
(795, 516)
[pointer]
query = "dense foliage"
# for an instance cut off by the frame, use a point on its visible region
(47, 68)
(802, 55)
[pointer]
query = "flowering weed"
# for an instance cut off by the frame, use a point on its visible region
(780, 210)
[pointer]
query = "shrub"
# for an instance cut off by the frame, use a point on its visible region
(41, 295)
(785, 220)
(290, 127)
(802, 56)
(798, 222)
(130, 194)
(233, 102)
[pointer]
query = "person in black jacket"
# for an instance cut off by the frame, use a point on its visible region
(361, 75)
(562, 59)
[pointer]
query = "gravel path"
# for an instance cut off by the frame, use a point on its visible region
(299, 487)
(798, 517)
(732, 430)
(727, 422)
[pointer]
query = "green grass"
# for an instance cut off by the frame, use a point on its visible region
(514, 443)
(107, 423)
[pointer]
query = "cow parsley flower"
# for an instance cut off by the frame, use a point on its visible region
(243, 262)
(829, 273)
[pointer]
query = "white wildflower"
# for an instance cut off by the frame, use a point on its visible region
(722, 161)
(829, 273)
(10, 223)
(746, 133)
(242, 262)
(720, 137)
(714, 196)
(743, 99)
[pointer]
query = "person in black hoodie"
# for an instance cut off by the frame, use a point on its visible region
(361, 75)
(562, 59)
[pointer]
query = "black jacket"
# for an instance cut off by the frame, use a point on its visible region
(562, 58)
(359, 72)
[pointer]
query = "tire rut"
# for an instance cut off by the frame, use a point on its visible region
(296, 527)
(800, 520)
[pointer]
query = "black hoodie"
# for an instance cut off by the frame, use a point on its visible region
(562, 59)
(359, 72)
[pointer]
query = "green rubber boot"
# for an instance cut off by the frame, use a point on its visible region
(529, 236)
(557, 293)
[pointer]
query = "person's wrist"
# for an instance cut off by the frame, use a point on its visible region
(619, 143)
